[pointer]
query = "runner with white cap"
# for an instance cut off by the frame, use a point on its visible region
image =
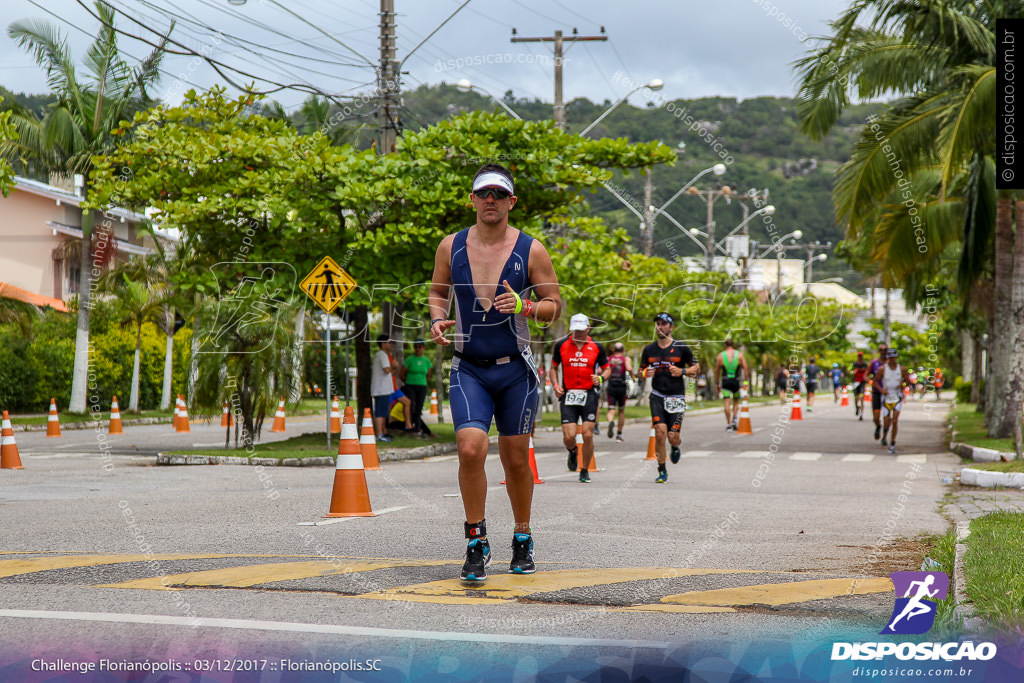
(584, 368)
(492, 271)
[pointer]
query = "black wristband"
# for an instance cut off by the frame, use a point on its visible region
(435, 321)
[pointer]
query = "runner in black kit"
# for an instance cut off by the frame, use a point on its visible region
(876, 390)
(584, 367)
(811, 372)
(667, 360)
(621, 367)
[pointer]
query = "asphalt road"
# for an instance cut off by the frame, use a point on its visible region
(787, 535)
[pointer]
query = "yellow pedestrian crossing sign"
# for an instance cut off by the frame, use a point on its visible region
(328, 284)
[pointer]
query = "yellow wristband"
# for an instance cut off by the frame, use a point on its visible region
(519, 303)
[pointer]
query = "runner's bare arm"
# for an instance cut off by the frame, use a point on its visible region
(439, 298)
(542, 273)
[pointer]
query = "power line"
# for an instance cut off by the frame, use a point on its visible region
(217, 65)
(237, 39)
(81, 30)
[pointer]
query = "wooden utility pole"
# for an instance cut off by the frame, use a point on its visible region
(559, 41)
(387, 82)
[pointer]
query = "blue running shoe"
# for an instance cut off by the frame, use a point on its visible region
(478, 557)
(522, 555)
(662, 477)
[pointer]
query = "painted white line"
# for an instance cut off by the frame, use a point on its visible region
(696, 454)
(805, 456)
(857, 457)
(440, 458)
(293, 627)
(752, 455)
(915, 458)
(335, 520)
(635, 455)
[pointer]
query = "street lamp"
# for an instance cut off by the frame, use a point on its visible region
(655, 84)
(808, 267)
(717, 169)
(779, 249)
(766, 210)
(466, 86)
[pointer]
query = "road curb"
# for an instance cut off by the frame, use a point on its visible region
(964, 608)
(970, 476)
(102, 422)
(987, 479)
(979, 454)
(390, 455)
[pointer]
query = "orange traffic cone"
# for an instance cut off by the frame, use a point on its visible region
(796, 413)
(115, 419)
(367, 443)
(9, 458)
(433, 401)
(53, 422)
(279, 418)
(533, 465)
(335, 417)
(845, 401)
(177, 412)
(651, 452)
(744, 425)
(350, 496)
(182, 425)
(226, 418)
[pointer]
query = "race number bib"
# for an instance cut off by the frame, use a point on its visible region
(675, 404)
(893, 397)
(576, 397)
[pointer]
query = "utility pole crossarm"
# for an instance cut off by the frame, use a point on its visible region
(558, 40)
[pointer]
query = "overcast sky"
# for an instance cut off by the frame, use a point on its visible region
(739, 48)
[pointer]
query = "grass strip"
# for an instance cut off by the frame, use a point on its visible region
(943, 551)
(970, 429)
(994, 570)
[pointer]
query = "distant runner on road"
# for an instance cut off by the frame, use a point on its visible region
(618, 388)
(730, 372)
(891, 379)
(860, 378)
(667, 361)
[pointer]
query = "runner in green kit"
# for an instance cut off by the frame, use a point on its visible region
(728, 364)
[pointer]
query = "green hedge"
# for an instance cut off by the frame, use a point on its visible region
(35, 368)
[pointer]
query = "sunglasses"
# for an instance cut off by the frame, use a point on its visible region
(495, 192)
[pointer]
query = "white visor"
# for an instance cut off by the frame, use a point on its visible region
(491, 179)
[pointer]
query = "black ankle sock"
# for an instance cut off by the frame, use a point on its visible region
(662, 467)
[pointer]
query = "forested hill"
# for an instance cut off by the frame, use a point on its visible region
(758, 139)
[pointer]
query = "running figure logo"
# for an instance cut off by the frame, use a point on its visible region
(913, 612)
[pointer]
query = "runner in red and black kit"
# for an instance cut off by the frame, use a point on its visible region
(667, 361)
(860, 378)
(621, 367)
(584, 367)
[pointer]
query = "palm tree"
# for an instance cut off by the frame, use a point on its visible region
(78, 127)
(939, 56)
(245, 355)
(7, 132)
(139, 301)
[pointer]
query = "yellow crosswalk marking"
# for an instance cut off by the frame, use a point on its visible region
(42, 564)
(773, 593)
(511, 586)
(254, 574)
